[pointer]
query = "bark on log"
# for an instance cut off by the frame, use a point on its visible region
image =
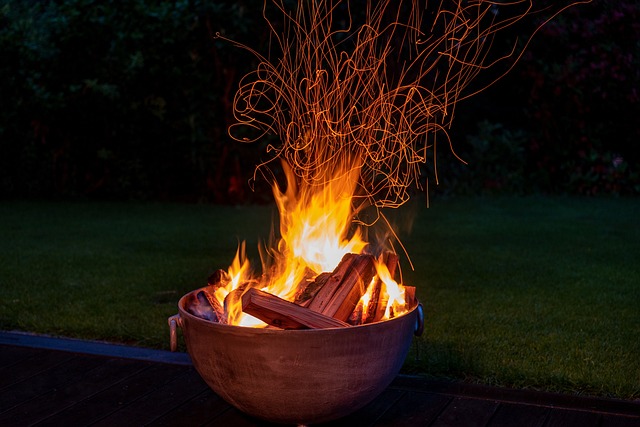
(284, 314)
(215, 305)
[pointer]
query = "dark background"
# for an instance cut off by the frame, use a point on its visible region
(132, 100)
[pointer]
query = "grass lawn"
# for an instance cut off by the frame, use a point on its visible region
(534, 292)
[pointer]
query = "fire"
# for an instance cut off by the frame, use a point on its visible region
(394, 292)
(316, 228)
(315, 221)
(356, 102)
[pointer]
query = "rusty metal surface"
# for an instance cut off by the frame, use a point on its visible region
(298, 376)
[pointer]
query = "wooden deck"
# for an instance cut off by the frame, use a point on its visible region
(52, 382)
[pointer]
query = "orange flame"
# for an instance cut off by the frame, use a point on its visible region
(315, 228)
(394, 292)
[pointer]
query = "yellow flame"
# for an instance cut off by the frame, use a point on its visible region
(239, 275)
(394, 291)
(315, 222)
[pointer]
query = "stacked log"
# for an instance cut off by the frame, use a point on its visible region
(330, 300)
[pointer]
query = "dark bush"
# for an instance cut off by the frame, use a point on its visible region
(565, 119)
(133, 99)
(582, 76)
(122, 99)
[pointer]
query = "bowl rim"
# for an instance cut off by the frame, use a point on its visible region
(184, 313)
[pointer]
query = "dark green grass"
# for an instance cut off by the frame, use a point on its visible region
(528, 292)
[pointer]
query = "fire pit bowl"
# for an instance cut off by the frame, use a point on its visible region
(297, 376)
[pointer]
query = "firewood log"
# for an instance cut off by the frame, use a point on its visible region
(340, 295)
(409, 296)
(356, 317)
(217, 308)
(309, 290)
(199, 306)
(218, 278)
(284, 314)
(378, 302)
(233, 298)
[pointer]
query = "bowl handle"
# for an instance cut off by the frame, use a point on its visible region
(419, 328)
(174, 321)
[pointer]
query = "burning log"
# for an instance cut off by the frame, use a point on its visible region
(307, 292)
(344, 288)
(357, 316)
(218, 278)
(409, 296)
(201, 307)
(233, 299)
(378, 302)
(284, 314)
(391, 261)
(215, 305)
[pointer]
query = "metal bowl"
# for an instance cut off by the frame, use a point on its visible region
(297, 376)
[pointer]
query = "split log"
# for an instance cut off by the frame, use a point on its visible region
(218, 278)
(309, 290)
(372, 307)
(233, 299)
(217, 308)
(378, 303)
(344, 288)
(391, 261)
(284, 314)
(323, 296)
(356, 317)
(200, 307)
(409, 296)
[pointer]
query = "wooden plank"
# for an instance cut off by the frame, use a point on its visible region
(284, 314)
(571, 418)
(513, 414)
(156, 402)
(236, 418)
(609, 420)
(201, 409)
(462, 411)
(530, 397)
(29, 363)
(104, 375)
(369, 414)
(111, 399)
(45, 381)
(414, 409)
(10, 354)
